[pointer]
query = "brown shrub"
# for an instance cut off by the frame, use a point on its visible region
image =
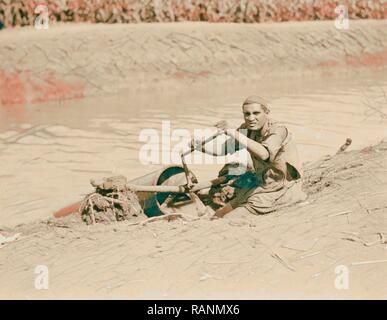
(21, 12)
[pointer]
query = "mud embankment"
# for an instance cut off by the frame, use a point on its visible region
(76, 61)
(293, 253)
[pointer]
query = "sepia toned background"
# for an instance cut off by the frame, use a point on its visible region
(75, 97)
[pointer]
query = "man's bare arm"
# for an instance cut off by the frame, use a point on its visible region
(255, 148)
(231, 145)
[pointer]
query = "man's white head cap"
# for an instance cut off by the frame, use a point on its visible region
(258, 100)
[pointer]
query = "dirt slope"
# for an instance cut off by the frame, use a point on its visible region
(292, 253)
(76, 61)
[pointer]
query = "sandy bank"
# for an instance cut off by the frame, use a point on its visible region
(76, 61)
(292, 253)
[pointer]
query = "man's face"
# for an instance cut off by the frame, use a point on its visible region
(255, 116)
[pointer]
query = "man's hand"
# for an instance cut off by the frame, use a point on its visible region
(222, 126)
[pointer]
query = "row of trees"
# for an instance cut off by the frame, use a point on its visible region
(22, 12)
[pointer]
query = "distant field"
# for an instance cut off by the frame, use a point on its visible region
(21, 12)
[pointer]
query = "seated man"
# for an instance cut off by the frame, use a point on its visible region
(275, 161)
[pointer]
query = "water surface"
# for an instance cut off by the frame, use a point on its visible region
(49, 152)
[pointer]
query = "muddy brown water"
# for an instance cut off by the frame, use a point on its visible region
(49, 152)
